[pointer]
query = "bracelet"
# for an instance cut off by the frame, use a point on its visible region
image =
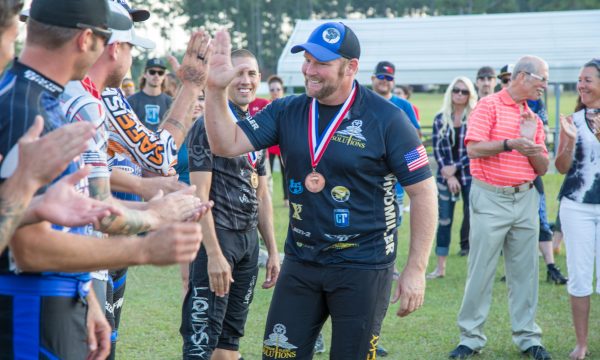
(505, 144)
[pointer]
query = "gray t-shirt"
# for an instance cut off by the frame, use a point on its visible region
(236, 205)
(150, 109)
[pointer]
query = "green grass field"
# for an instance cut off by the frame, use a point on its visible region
(152, 310)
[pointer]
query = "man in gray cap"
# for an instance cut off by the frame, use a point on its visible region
(339, 260)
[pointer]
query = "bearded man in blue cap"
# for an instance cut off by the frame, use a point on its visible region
(348, 147)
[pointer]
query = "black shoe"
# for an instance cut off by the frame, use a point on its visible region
(537, 352)
(381, 351)
(462, 352)
(463, 252)
(555, 276)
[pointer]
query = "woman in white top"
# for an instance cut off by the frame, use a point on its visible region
(579, 158)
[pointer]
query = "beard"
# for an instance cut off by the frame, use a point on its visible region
(327, 88)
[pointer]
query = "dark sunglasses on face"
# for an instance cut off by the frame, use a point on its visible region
(385, 77)
(460, 91)
(485, 78)
(505, 80)
(156, 72)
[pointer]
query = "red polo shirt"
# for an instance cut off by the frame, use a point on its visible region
(495, 118)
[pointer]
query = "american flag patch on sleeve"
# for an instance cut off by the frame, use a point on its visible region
(416, 158)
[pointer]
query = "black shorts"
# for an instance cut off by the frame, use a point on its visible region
(38, 321)
(208, 321)
(306, 294)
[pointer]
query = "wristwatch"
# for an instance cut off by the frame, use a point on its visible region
(505, 144)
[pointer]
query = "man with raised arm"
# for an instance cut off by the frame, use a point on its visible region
(346, 148)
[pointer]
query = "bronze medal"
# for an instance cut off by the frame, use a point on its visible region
(314, 182)
(254, 179)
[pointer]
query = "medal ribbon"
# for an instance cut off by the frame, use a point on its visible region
(318, 145)
(252, 156)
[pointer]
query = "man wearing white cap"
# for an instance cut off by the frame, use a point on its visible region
(349, 147)
(82, 101)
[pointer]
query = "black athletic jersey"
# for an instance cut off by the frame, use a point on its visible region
(24, 94)
(352, 221)
(236, 205)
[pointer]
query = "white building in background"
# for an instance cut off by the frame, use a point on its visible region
(434, 50)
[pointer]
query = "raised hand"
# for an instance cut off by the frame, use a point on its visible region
(193, 69)
(529, 123)
(173, 243)
(567, 127)
(222, 71)
(63, 205)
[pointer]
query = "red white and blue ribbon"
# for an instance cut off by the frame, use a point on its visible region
(252, 156)
(316, 144)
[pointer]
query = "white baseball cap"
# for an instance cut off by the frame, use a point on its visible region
(127, 36)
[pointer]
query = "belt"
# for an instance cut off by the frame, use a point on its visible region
(504, 189)
(31, 285)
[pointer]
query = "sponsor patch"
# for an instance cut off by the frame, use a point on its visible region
(277, 345)
(341, 246)
(341, 237)
(331, 35)
(351, 135)
(300, 231)
(297, 211)
(340, 193)
(341, 217)
(296, 187)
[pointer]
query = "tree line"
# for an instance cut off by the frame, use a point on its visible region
(264, 26)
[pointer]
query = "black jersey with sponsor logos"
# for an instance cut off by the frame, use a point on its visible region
(236, 205)
(24, 94)
(352, 221)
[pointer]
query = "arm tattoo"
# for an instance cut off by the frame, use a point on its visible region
(177, 124)
(11, 213)
(130, 223)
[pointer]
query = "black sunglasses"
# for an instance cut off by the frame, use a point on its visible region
(156, 72)
(385, 77)
(103, 33)
(505, 80)
(460, 91)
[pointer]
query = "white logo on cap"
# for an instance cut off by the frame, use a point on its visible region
(331, 35)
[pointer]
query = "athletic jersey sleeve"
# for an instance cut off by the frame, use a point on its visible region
(263, 129)
(200, 157)
(154, 151)
(405, 154)
(89, 109)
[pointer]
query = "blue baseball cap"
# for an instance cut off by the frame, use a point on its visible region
(331, 41)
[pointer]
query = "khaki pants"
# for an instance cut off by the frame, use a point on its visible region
(508, 222)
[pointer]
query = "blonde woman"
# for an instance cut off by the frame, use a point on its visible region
(453, 176)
